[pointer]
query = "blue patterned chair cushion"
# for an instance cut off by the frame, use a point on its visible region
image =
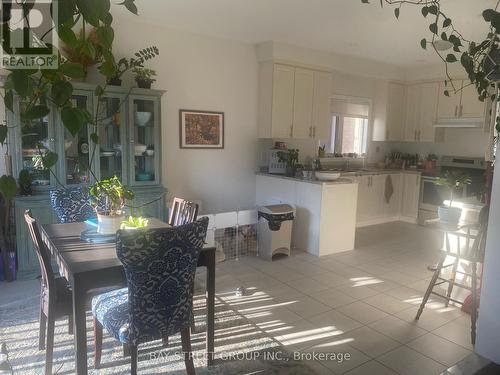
(160, 265)
(72, 204)
(111, 309)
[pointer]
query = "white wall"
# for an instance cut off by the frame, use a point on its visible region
(205, 74)
(488, 330)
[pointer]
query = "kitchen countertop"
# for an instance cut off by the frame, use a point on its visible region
(340, 180)
(371, 171)
(344, 179)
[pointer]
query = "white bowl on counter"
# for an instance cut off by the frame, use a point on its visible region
(327, 176)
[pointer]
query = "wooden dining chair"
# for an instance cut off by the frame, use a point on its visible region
(55, 295)
(182, 212)
(73, 204)
(160, 265)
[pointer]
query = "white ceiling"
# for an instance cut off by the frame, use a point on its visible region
(342, 26)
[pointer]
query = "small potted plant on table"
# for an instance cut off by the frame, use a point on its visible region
(110, 194)
(134, 222)
(454, 181)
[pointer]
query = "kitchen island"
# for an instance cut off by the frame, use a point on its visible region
(325, 211)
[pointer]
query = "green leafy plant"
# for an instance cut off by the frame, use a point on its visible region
(114, 194)
(24, 178)
(479, 59)
(453, 180)
(289, 157)
(134, 222)
(144, 76)
(135, 62)
(39, 90)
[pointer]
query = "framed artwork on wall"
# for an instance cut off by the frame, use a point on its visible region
(201, 129)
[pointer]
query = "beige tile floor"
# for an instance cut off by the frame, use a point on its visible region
(361, 302)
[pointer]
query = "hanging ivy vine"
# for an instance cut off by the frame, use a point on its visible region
(479, 59)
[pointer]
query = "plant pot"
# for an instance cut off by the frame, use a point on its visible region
(25, 190)
(115, 81)
(109, 224)
(290, 171)
(449, 215)
(143, 84)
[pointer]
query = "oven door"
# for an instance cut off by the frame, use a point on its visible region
(432, 195)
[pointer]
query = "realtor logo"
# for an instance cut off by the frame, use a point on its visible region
(29, 37)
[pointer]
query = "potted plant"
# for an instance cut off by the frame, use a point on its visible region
(111, 194)
(134, 222)
(25, 183)
(454, 181)
(291, 159)
(144, 77)
(114, 81)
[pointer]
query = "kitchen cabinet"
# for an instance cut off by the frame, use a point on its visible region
(293, 102)
(373, 207)
(421, 107)
(427, 112)
(303, 103)
(283, 95)
(410, 194)
(389, 111)
(462, 106)
(322, 118)
(325, 213)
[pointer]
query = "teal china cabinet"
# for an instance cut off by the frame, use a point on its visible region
(129, 130)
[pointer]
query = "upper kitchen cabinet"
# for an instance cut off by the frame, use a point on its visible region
(421, 109)
(322, 118)
(461, 107)
(389, 111)
(293, 102)
(303, 103)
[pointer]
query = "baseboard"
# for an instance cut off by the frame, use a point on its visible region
(378, 220)
(412, 220)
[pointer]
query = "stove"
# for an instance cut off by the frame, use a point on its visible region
(432, 195)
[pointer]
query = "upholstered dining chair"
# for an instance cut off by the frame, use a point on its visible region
(72, 204)
(160, 266)
(55, 295)
(182, 212)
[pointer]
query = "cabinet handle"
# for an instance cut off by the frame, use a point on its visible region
(415, 135)
(314, 131)
(419, 135)
(310, 131)
(456, 110)
(387, 135)
(291, 131)
(461, 110)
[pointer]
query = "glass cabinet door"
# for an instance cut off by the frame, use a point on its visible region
(144, 140)
(111, 137)
(77, 148)
(36, 139)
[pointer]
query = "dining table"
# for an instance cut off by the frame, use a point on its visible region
(90, 266)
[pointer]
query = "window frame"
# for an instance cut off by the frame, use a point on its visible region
(336, 139)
